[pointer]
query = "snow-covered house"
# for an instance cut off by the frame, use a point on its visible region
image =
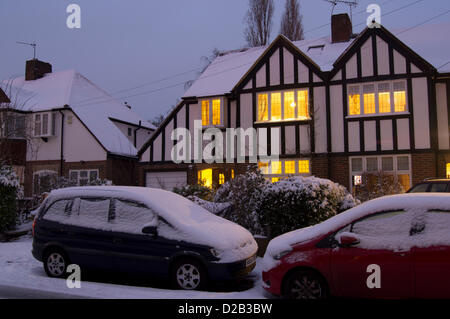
(344, 106)
(73, 129)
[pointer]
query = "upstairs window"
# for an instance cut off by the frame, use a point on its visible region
(283, 106)
(212, 112)
(13, 125)
(377, 98)
(44, 124)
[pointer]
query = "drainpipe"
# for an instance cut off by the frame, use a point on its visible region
(135, 131)
(62, 145)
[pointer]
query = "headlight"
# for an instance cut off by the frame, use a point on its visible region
(214, 252)
(281, 254)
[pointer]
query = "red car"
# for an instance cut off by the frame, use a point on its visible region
(393, 247)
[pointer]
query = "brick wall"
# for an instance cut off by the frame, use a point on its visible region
(319, 166)
(14, 151)
(423, 166)
(339, 170)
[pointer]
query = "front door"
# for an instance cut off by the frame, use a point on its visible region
(379, 266)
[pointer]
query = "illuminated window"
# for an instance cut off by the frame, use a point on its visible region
(404, 181)
(357, 180)
(289, 167)
(205, 177)
(232, 173)
(303, 105)
(354, 103)
(216, 112)
(221, 179)
(289, 105)
(303, 166)
(384, 98)
(275, 108)
(275, 167)
(263, 167)
(448, 170)
(263, 107)
(369, 99)
(399, 97)
(275, 179)
(205, 112)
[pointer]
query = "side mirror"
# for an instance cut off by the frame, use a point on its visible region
(348, 240)
(150, 230)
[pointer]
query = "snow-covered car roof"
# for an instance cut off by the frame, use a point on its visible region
(192, 223)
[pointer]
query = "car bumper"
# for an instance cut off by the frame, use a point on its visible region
(37, 251)
(235, 270)
(272, 282)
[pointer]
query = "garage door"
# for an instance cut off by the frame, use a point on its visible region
(166, 180)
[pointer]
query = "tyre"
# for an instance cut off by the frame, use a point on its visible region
(189, 274)
(305, 284)
(55, 263)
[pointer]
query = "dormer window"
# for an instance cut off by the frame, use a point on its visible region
(212, 112)
(44, 124)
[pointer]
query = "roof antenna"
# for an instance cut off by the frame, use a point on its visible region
(351, 4)
(32, 45)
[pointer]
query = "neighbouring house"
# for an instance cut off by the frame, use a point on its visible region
(61, 124)
(344, 106)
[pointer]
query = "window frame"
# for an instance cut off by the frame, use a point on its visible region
(82, 170)
(267, 172)
(210, 109)
(50, 124)
(376, 91)
(282, 93)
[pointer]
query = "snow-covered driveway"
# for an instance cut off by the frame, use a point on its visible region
(23, 276)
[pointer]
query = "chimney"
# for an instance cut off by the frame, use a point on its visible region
(36, 69)
(341, 28)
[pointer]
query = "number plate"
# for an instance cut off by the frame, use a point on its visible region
(250, 261)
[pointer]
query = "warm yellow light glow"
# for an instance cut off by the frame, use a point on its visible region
(369, 103)
(384, 99)
(303, 166)
(263, 107)
(216, 112)
(400, 101)
(275, 179)
(275, 108)
(205, 177)
(263, 167)
(302, 97)
(275, 167)
(289, 167)
(221, 179)
(448, 170)
(232, 173)
(404, 181)
(205, 112)
(289, 100)
(354, 104)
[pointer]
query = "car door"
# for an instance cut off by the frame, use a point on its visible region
(383, 239)
(133, 249)
(53, 225)
(90, 238)
(431, 256)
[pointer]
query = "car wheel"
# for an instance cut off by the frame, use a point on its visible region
(189, 274)
(55, 263)
(305, 284)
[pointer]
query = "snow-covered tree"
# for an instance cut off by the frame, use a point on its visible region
(10, 190)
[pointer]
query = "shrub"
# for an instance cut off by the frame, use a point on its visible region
(377, 185)
(10, 190)
(298, 202)
(199, 191)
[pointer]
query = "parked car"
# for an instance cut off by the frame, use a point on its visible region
(138, 229)
(432, 185)
(400, 243)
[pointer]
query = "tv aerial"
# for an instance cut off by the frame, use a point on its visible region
(32, 45)
(349, 3)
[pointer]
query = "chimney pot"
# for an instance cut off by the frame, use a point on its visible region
(341, 28)
(35, 69)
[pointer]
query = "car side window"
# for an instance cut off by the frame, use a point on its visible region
(383, 224)
(438, 188)
(420, 188)
(131, 217)
(92, 212)
(437, 228)
(59, 211)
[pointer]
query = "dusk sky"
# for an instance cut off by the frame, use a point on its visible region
(138, 43)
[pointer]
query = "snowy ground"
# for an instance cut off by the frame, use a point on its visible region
(23, 276)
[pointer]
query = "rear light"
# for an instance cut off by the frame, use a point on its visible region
(34, 224)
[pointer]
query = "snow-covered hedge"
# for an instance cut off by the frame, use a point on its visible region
(298, 202)
(199, 191)
(10, 190)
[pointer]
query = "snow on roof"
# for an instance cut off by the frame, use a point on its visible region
(90, 103)
(430, 41)
(192, 223)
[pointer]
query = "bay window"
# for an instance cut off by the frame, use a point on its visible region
(283, 106)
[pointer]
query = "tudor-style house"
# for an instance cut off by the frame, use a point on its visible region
(64, 125)
(345, 106)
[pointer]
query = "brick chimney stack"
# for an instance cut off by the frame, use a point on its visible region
(341, 28)
(35, 69)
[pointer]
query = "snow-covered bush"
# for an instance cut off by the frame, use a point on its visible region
(244, 193)
(199, 191)
(63, 182)
(298, 202)
(377, 185)
(220, 209)
(10, 190)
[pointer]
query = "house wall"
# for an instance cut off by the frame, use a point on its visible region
(142, 134)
